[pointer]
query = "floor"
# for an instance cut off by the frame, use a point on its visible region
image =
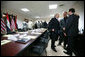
(59, 49)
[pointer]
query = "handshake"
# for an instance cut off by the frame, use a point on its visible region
(63, 29)
(64, 32)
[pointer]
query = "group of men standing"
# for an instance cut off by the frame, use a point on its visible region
(66, 29)
(29, 25)
(41, 24)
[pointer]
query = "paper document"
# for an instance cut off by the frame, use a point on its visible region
(36, 33)
(31, 37)
(6, 35)
(16, 35)
(23, 32)
(5, 42)
(21, 36)
(12, 37)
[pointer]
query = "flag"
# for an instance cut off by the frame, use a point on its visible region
(8, 23)
(3, 27)
(16, 22)
(12, 24)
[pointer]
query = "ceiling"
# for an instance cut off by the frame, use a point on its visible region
(37, 8)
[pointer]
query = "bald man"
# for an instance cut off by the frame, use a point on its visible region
(62, 30)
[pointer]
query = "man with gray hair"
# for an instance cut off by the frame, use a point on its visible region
(53, 29)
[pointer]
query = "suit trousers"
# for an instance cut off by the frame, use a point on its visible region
(54, 37)
(70, 46)
(65, 40)
(61, 39)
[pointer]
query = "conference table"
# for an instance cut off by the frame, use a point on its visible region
(13, 48)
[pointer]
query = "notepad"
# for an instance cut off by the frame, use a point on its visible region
(3, 42)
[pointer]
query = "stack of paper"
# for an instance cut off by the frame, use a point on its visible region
(5, 42)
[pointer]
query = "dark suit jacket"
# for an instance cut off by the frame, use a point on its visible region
(54, 24)
(62, 24)
(44, 25)
(72, 25)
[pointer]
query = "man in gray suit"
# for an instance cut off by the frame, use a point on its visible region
(62, 31)
(71, 30)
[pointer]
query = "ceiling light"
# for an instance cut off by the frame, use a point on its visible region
(24, 9)
(51, 15)
(54, 6)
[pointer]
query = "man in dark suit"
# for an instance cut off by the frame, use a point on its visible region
(62, 31)
(71, 30)
(53, 28)
(44, 24)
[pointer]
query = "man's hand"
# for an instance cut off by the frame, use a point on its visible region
(65, 34)
(52, 29)
(64, 28)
